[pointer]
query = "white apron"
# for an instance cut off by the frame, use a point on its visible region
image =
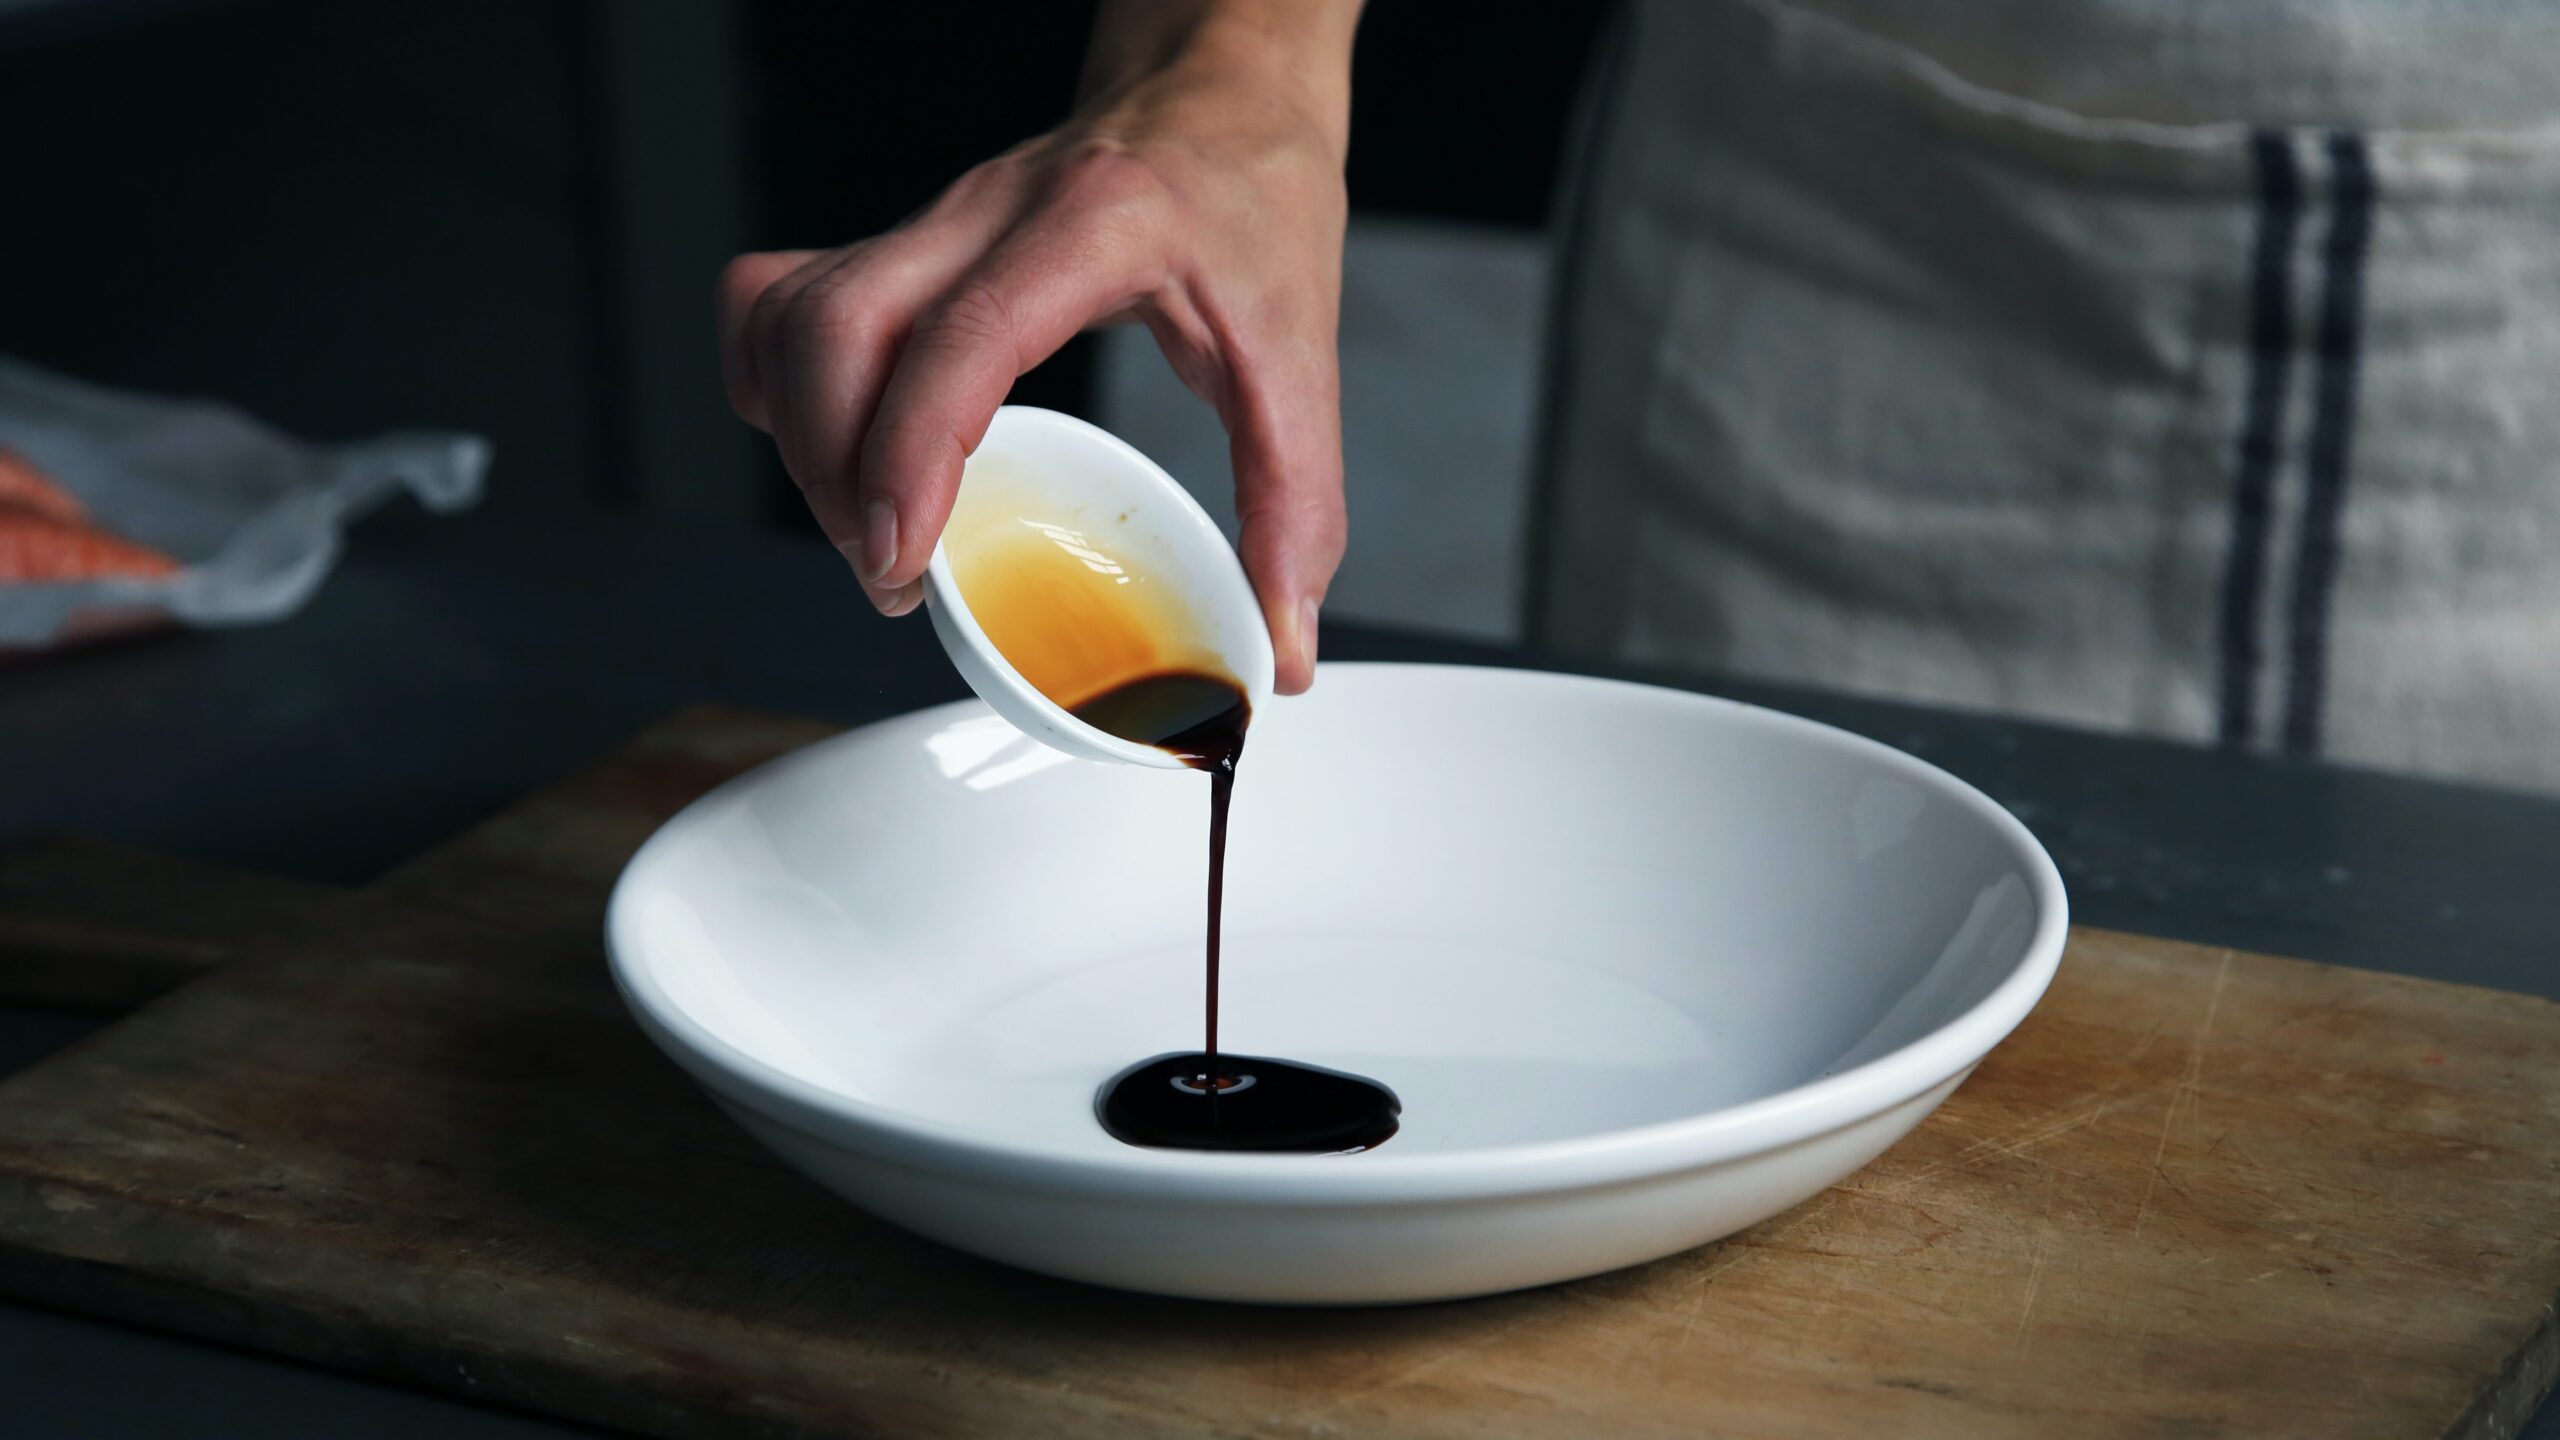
(2200, 383)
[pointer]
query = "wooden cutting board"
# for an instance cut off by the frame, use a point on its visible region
(410, 1132)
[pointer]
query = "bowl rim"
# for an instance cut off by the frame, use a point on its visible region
(1734, 1132)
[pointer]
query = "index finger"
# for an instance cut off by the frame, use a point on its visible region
(742, 282)
(1030, 295)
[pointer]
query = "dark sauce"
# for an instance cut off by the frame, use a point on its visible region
(1204, 1100)
(1200, 719)
(1256, 1103)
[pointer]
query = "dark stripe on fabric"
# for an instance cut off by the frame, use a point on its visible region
(1595, 121)
(2333, 423)
(2261, 427)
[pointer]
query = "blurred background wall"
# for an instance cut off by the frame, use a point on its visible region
(503, 216)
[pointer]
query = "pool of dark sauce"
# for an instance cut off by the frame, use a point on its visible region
(1207, 1099)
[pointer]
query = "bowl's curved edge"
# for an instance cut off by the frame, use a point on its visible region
(1804, 1111)
(1348, 1254)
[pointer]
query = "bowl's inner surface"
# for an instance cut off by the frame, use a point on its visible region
(1085, 569)
(1080, 595)
(1535, 908)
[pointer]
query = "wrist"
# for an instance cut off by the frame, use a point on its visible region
(1305, 74)
(1288, 56)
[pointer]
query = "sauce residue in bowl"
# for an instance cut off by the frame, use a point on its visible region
(1206, 1099)
(1089, 630)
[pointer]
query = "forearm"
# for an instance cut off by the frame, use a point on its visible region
(1293, 52)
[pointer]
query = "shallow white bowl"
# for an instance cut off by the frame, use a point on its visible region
(1644, 967)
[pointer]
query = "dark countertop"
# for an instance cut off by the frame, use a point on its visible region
(452, 666)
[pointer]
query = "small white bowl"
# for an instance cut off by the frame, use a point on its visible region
(1057, 471)
(1644, 967)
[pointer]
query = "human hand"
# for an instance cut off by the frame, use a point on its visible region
(1198, 191)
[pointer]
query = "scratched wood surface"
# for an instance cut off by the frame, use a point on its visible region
(409, 1132)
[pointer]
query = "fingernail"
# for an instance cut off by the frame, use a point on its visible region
(1307, 630)
(896, 602)
(879, 539)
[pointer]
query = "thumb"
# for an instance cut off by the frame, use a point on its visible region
(1284, 429)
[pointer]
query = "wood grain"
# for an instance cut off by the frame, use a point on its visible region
(2198, 1192)
(90, 925)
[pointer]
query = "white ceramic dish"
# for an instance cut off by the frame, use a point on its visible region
(1095, 493)
(1645, 968)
